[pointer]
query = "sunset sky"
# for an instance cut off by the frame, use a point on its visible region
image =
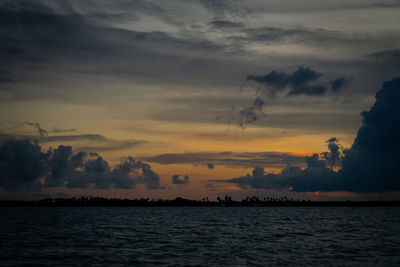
(207, 90)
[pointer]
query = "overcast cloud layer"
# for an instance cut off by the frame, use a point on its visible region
(51, 50)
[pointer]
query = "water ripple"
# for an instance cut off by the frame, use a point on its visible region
(198, 236)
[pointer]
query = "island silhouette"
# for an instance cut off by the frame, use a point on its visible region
(225, 201)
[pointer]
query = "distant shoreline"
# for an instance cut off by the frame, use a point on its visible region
(181, 202)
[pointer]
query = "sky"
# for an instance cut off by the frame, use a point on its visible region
(160, 99)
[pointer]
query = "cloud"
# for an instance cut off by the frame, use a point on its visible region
(224, 24)
(208, 185)
(177, 180)
(94, 142)
(41, 34)
(370, 165)
(126, 175)
(142, 42)
(5, 77)
(60, 165)
(42, 132)
(230, 159)
(333, 157)
(58, 130)
(293, 177)
(300, 82)
(77, 137)
(101, 144)
(273, 35)
(114, 145)
(250, 114)
(23, 164)
(338, 84)
(386, 55)
(210, 166)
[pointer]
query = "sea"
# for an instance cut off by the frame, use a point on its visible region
(200, 236)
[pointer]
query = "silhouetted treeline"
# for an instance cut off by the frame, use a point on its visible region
(226, 201)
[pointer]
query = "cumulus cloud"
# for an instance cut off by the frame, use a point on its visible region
(177, 180)
(296, 178)
(370, 165)
(23, 164)
(333, 157)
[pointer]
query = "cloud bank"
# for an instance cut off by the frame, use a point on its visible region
(369, 165)
(23, 166)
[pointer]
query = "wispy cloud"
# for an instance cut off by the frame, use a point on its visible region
(230, 159)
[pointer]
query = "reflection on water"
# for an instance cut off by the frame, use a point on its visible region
(199, 236)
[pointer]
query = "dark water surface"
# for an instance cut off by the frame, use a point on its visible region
(110, 236)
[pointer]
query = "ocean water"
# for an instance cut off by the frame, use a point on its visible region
(199, 236)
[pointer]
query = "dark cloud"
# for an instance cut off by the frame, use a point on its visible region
(340, 83)
(246, 116)
(315, 177)
(23, 164)
(60, 166)
(110, 40)
(177, 180)
(370, 165)
(332, 157)
(210, 166)
(299, 82)
(35, 34)
(126, 175)
(230, 159)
